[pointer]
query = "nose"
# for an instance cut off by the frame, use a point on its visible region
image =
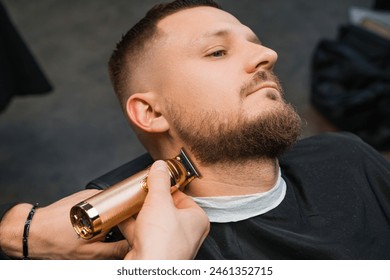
(260, 57)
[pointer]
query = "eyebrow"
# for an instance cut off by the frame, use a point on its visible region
(224, 33)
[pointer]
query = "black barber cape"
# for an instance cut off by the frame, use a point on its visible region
(337, 206)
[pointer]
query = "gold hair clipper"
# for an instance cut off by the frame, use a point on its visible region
(103, 211)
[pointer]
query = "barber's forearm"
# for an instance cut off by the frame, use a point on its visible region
(11, 230)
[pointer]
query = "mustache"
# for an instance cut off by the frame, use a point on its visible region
(259, 78)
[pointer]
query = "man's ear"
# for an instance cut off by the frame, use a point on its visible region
(144, 111)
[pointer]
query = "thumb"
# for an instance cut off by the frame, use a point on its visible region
(159, 183)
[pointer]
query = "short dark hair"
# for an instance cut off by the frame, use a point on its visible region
(133, 43)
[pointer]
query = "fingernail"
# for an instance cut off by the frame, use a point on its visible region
(160, 165)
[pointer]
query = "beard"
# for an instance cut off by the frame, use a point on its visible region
(212, 138)
(217, 137)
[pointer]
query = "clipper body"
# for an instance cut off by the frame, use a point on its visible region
(103, 211)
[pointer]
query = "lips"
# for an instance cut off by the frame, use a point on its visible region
(265, 85)
(262, 80)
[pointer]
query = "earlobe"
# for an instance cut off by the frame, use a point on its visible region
(143, 111)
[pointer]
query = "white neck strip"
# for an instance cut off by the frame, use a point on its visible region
(225, 209)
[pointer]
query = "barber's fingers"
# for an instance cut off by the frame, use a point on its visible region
(157, 198)
(183, 201)
(192, 215)
(159, 184)
(101, 251)
(127, 227)
(115, 250)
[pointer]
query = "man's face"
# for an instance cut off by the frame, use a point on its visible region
(215, 78)
(207, 56)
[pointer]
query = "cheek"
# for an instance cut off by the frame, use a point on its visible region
(201, 86)
(211, 88)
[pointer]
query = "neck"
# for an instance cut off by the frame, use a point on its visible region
(229, 179)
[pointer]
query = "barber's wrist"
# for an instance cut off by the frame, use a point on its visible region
(11, 230)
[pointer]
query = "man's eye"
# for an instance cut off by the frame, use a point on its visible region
(219, 53)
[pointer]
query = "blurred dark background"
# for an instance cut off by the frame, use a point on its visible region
(52, 144)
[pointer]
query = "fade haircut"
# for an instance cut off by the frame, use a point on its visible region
(131, 48)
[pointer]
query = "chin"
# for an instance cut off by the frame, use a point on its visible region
(273, 96)
(271, 104)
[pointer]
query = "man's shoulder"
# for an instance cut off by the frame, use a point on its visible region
(331, 139)
(334, 140)
(334, 146)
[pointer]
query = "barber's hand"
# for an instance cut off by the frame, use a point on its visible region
(168, 226)
(52, 235)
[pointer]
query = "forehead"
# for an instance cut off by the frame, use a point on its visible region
(195, 23)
